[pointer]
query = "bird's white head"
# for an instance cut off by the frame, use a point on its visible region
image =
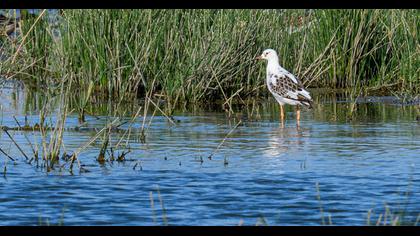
(269, 55)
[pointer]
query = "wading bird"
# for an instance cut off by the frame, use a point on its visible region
(285, 87)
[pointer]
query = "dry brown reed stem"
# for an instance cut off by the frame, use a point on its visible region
(10, 75)
(223, 93)
(17, 145)
(146, 105)
(164, 217)
(318, 196)
(24, 134)
(27, 33)
(229, 100)
(150, 121)
(80, 149)
(129, 128)
(157, 107)
(318, 61)
(152, 205)
(136, 66)
(1, 150)
(57, 137)
(84, 146)
(224, 139)
(368, 217)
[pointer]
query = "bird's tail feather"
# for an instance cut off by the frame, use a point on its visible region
(305, 101)
(305, 98)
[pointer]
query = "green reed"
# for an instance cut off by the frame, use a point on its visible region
(194, 56)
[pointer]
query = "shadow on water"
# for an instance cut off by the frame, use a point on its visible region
(261, 174)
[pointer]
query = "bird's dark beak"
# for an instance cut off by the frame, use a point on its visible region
(258, 58)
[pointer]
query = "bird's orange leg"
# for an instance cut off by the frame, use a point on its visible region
(297, 115)
(281, 115)
(281, 112)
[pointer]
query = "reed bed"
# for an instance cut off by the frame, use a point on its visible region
(197, 56)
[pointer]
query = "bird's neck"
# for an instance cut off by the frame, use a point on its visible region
(273, 64)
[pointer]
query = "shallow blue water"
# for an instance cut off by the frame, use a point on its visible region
(271, 172)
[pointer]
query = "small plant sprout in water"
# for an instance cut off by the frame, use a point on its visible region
(152, 205)
(303, 164)
(261, 221)
(4, 170)
(318, 196)
(138, 163)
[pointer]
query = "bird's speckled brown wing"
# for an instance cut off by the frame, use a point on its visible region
(284, 86)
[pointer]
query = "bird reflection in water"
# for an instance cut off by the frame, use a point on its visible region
(286, 140)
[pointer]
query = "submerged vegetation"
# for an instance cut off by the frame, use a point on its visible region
(196, 56)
